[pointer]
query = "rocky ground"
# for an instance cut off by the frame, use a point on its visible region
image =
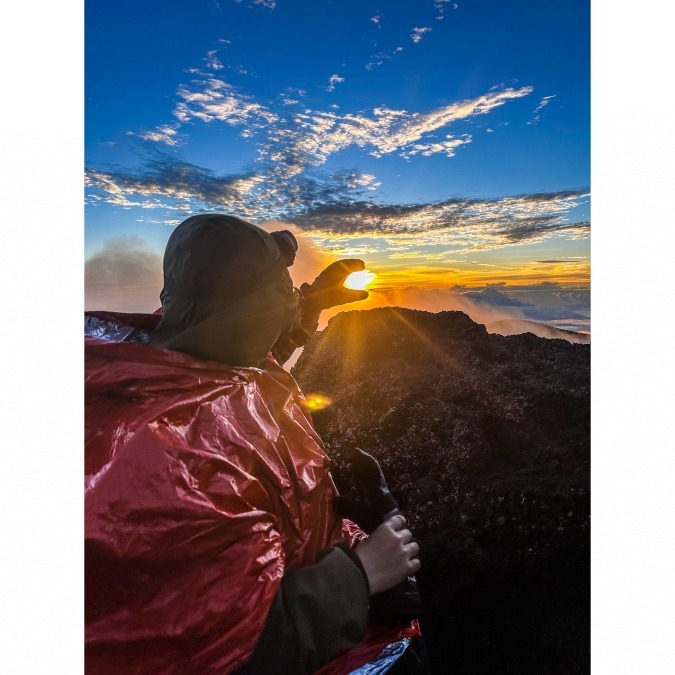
(485, 442)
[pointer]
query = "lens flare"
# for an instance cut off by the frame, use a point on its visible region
(358, 281)
(317, 402)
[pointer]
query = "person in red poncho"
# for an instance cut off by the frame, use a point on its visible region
(211, 545)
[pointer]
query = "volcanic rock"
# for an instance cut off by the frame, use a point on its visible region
(485, 443)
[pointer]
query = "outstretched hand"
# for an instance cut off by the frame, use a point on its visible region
(327, 290)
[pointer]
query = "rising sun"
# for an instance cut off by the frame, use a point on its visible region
(358, 281)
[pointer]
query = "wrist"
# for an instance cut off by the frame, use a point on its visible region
(309, 306)
(354, 557)
(372, 570)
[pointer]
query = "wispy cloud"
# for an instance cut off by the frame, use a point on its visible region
(211, 99)
(333, 207)
(418, 33)
(461, 225)
(164, 134)
(379, 58)
(332, 81)
(212, 60)
(441, 6)
(571, 261)
(376, 20)
(542, 104)
(308, 139)
(446, 147)
(289, 142)
(169, 184)
(267, 4)
(292, 96)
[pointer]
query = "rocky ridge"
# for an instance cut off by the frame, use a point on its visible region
(485, 442)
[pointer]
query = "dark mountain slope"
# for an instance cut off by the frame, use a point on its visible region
(484, 440)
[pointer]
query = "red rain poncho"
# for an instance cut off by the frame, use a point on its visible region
(204, 485)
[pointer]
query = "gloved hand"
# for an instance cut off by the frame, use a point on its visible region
(327, 289)
(367, 518)
(367, 471)
(368, 474)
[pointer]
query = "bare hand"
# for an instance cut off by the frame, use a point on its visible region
(388, 555)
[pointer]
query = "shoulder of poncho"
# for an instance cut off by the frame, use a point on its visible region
(142, 361)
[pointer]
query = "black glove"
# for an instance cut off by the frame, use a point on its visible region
(399, 604)
(327, 289)
(367, 518)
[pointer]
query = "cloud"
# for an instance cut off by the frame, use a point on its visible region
(482, 305)
(418, 33)
(441, 5)
(126, 276)
(290, 141)
(445, 147)
(333, 205)
(267, 4)
(468, 224)
(164, 134)
(376, 20)
(572, 261)
(333, 80)
(550, 302)
(491, 296)
(170, 184)
(210, 99)
(542, 104)
(381, 57)
(212, 60)
(309, 138)
(285, 180)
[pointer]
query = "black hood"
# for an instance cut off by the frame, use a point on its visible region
(227, 292)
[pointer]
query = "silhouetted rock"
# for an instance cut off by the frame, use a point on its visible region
(485, 443)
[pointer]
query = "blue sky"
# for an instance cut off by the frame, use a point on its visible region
(445, 143)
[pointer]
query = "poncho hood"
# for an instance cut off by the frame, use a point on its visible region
(227, 292)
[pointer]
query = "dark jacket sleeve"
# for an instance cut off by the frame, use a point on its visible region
(300, 333)
(319, 612)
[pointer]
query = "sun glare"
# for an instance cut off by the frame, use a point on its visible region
(317, 402)
(358, 281)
